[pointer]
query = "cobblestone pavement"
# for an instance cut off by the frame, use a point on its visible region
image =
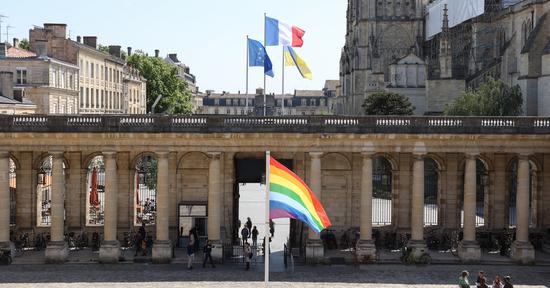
(175, 275)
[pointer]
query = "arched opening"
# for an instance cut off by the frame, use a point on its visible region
(145, 186)
(482, 190)
(512, 193)
(13, 187)
(44, 191)
(431, 191)
(382, 192)
(95, 192)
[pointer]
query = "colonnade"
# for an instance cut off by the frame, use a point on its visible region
(469, 250)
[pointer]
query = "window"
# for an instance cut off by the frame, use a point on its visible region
(71, 82)
(191, 216)
(53, 80)
(98, 104)
(87, 71)
(82, 97)
(21, 75)
(92, 71)
(93, 102)
(97, 70)
(304, 102)
(62, 83)
(106, 73)
(88, 98)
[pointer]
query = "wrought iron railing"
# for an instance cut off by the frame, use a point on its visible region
(300, 124)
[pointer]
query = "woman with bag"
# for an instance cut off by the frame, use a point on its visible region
(247, 254)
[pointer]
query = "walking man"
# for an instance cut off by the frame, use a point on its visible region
(207, 250)
(191, 249)
(245, 233)
(254, 237)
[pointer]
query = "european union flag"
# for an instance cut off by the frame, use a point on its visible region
(257, 56)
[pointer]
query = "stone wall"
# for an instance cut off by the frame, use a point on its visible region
(441, 92)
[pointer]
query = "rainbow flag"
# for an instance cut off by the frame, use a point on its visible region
(290, 197)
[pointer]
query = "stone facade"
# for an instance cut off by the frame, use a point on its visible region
(508, 42)
(199, 167)
(101, 85)
(49, 83)
(184, 72)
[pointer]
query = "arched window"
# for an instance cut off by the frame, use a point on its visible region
(145, 190)
(512, 192)
(44, 191)
(95, 192)
(13, 186)
(431, 189)
(382, 192)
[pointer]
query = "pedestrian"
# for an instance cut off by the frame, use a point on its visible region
(248, 223)
(497, 283)
(463, 280)
(245, 233)
(191, 249)
(508, 282)
(247, 254)
(207, 250)
(481, 281)
(140, 241)
(271, 228)
(255, 237)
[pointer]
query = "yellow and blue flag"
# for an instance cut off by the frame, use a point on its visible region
(292, 59)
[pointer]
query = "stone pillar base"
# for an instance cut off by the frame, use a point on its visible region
(523, 252)
(217, 252)
(57, 252)
(469, 251)
(365, 252)
(315, 252)
(109, 252)
(418, 247)
(162, 252)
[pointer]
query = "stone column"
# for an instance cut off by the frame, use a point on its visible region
(5, 200)
(468, 250)
(522, 250)
(57, 250)
(314, 246)
(214, 205)
(366, 250)
(162, 248)
(110, 248)
(417, 243)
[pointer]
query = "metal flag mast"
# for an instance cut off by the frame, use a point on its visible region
(247, 63)
(265, 41)
(283, 85)
(267, 235)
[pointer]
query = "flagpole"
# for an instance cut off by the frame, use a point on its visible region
(283, 85)
(246, 93)
(265, 47)
(267, 235)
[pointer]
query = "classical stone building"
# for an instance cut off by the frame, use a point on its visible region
(101, 80)
(184, 72)
(417, 173)
(134, 91)
(9, 104)
(509, 41)
(49, 83)
(302, 102)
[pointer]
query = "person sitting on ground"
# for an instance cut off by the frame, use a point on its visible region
(463, 280)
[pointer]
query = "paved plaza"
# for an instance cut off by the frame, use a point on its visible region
(175, 275)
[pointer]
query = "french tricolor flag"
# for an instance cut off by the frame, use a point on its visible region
(278, 33)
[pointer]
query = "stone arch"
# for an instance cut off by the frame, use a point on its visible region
(16, 161)
(341, 162)
(38, 161)
(192, 177)
(389, 158)
(138, 157)
(181, 163)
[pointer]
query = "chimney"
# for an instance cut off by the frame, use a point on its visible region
(3, 50)
(41, 48)
(6, 84)
(129, 51)
(15, 42)
(78, 39)
(157, 52)
(114, 50)
(90, 41)
(59, 30)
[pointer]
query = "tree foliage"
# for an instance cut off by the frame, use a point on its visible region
(387, 103)
(492, 98)
(24, 44)
(162, 79)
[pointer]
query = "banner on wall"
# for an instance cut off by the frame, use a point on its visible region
(459, 12)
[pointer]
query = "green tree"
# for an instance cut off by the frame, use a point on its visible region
(492, 98)
(387, 103)
(24, 44)
(162, 79)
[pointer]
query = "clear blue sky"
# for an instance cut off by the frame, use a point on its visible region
(208, 35)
